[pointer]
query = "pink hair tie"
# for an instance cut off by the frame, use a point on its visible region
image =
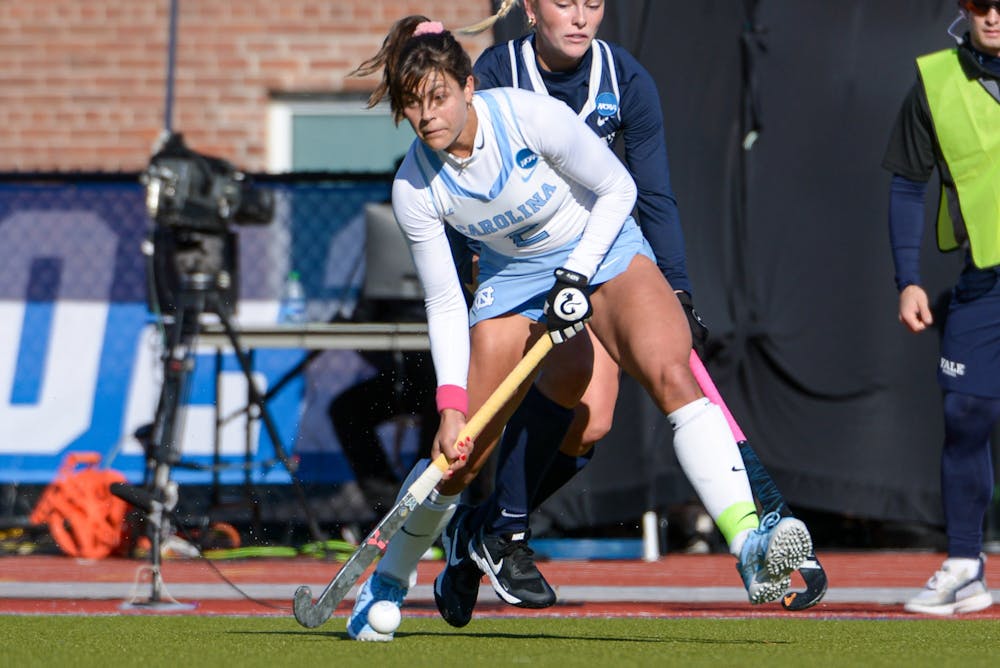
(428, 28)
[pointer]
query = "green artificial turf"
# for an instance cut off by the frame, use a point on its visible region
(180, 641)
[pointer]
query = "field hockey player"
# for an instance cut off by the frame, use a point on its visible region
(550, 204)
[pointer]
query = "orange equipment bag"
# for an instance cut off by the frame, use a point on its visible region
(84, 518)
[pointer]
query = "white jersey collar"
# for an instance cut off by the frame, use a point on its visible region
(535, 76)
(477, 146)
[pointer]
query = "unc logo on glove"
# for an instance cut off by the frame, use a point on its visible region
(567, 305)
(570, 304)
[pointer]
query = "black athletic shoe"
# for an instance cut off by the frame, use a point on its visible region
(456, 588)
(510, 565)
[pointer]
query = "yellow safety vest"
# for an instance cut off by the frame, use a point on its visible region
(966, 121)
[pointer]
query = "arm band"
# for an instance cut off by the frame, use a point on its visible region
(452, 396)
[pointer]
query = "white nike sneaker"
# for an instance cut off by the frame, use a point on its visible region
(951, 591)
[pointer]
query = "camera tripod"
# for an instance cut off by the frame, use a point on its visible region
(191, 279)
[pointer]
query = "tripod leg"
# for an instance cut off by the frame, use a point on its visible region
(257, 399)
(162, 449)
(291, 374)
(165, 492)
(176, 368)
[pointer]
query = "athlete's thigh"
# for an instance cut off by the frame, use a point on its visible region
(595, 411)
(971, 336)
(568, 369)
(642, 325)
(599, 399)
(498, 344)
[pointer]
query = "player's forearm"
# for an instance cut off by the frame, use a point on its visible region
(906, 225)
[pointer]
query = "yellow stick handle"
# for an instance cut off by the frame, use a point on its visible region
(496, 401)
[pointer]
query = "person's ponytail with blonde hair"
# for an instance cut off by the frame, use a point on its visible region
(487, 23)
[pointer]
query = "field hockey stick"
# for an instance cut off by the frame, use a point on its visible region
(311, 614)
(767, 492)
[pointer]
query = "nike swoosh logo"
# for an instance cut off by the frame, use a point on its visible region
(452, 561)
(789, 597)
(610, 263)
(504, 513)
(494, 566)
(736, 470)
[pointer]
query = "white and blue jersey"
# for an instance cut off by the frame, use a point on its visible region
(616, 97)
(539, 192)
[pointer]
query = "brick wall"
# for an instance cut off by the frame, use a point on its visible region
(83, 82)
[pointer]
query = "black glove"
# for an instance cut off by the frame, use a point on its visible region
(699, 332)
(567, 305)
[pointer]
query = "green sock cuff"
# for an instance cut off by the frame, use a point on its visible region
(736, 518)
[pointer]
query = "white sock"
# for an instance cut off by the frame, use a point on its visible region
(736, 546)
(412, 541)
(711, 460)
(962, 567)
(416, 536)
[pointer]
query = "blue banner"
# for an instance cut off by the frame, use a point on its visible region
(80, 352)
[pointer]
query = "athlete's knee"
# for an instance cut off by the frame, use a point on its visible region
(583, 432)
(672, 384)
(566, 382)
(596, 427)
(594, 432)
(969, 418)
(576, 447)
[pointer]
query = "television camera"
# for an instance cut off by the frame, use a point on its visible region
(194, 201)
(189, 190)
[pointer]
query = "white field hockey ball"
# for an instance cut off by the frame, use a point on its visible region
(384, 616)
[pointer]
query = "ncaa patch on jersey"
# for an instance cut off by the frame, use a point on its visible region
(526, 159)
(607, 104)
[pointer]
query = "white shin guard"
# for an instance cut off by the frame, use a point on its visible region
(709, 456)
(418, 534)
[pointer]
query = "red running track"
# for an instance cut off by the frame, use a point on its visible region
(862, 585)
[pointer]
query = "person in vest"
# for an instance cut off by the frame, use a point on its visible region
(546, 444)
(550, 204)
(951, 120)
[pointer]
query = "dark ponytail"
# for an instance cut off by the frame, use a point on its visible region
(406, 60)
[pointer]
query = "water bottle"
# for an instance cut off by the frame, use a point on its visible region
(293, 301)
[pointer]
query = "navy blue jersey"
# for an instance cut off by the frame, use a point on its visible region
(617, 97)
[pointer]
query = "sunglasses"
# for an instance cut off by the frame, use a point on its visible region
(981, 7)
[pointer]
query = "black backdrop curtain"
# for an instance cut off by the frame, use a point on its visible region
(788, 251)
